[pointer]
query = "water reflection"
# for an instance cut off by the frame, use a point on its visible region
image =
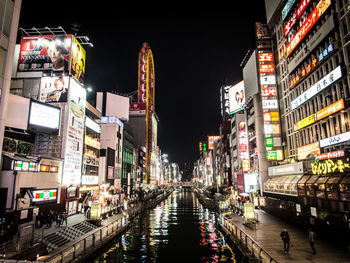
(179, 229)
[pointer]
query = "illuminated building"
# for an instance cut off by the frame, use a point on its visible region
(311, 63)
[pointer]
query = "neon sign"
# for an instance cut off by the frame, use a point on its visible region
(320, 8)
(329, 167)
(301, 7)
(330, 155)
(265, 57)
(305, 150)
(266, 68)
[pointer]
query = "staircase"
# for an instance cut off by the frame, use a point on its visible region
(63, 236)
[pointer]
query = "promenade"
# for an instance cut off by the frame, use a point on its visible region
(267, 235)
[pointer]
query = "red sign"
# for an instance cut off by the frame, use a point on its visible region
(211, 140)
(265, 57)
(269, 92)
(137, 106)
(266, 68)
(303, 4)
(308, 24)
(331, 155)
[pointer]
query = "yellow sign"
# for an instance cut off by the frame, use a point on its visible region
(77, 60)
(329, 167)
(304, 122)
(249, 211)
(92, 142)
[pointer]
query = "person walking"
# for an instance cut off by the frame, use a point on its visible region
(312, 239)
(285, 238)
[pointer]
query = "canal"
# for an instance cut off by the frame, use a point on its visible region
(179, 229)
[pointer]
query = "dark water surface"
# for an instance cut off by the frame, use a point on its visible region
(179, 229)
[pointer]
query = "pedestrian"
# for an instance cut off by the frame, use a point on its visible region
(312, 239)
(285, 237)
(58, 220)
(65, 218)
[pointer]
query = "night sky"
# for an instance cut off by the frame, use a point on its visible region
(196, 50)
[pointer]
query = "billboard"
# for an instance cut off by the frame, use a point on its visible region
(211, 140)
(54, 89)
(305, 150)
(236, 97)
(44, 118)
(75, 134)
(44, 52)
(77, 60)
(224, 103)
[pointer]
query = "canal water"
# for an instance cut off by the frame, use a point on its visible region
(179, 229)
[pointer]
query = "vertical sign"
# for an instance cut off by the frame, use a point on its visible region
(269, 95)
(75, 134)
(243, 146)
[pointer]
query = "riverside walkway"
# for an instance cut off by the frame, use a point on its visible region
(267, 232)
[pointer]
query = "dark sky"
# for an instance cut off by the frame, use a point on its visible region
(196, 50)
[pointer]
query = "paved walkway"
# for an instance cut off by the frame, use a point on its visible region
(267, 235)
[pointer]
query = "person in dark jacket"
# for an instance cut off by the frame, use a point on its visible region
(285, 237)
(312, 239)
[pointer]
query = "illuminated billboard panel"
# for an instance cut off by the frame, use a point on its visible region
(44, 118)
(77, 60)
(54, 89)
(44, 52)
(211, 140)
(300, 9)
(236, 97)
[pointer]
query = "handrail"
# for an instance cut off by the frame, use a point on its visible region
(230, 226)
(70, 250)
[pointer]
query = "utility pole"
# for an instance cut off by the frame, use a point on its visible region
(8, 70)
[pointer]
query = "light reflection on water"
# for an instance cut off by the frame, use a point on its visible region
(179, 229)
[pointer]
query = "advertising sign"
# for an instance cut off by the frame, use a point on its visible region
(224, 103)
(75, 134)
(300, 9)
(271, 116)
(305, 150)
(269, 92)
(329, 167)
(249, 211)
(44, 52)
(77, 60)
(44, 195)
(265, 57)
(243, 142)
(266, 68)
(268, 80)
(305, 122)
(236, 97)
(329, 110)
(44, 118)
(270, 104)
(287, 8)
(54, 89)
(344, 137)
(274, 155)
(331, 155)
(211, 140)
(320, 8)
(89, 123)
(89, 180)
(329, 79)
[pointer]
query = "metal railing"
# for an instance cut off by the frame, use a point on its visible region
(248, 242)
(84, 243)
